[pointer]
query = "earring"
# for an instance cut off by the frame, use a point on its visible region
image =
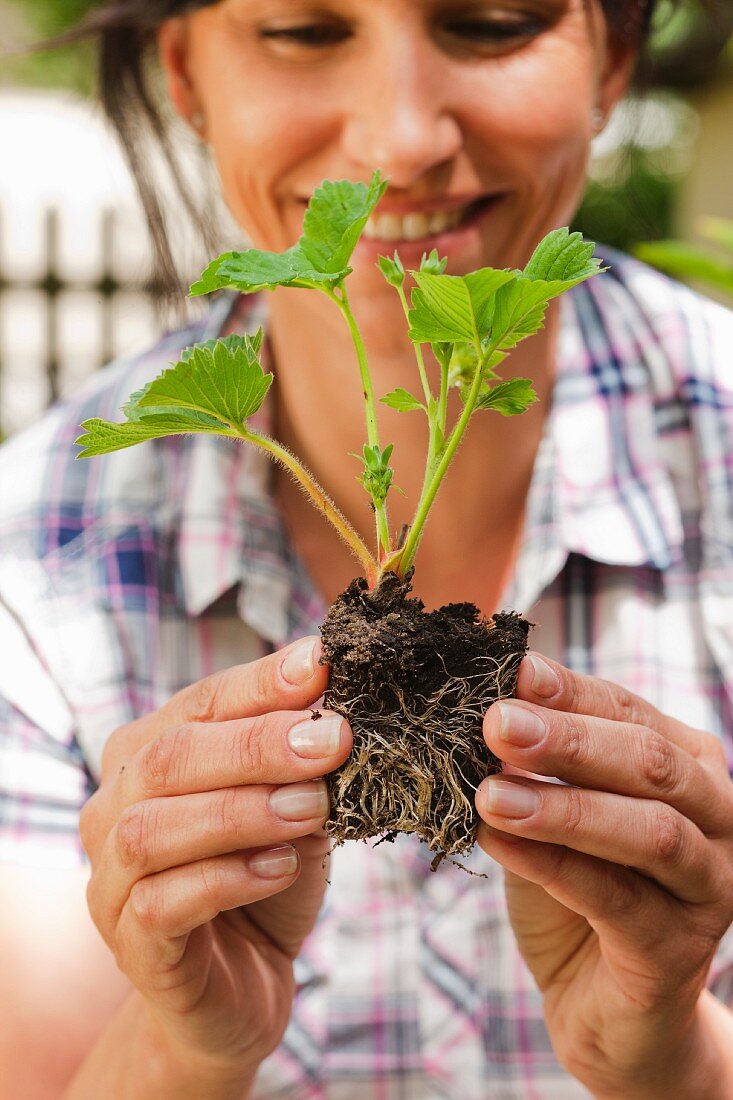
(598, 119)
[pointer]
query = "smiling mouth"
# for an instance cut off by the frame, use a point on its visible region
(391, 228)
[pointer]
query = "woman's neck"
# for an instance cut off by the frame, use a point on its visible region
(472, 534)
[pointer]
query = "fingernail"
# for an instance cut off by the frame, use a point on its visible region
(520, 727)
(544, 679)
(510, 799)
(314, 739)
(275, 863)
(299, 663)
(300, 801)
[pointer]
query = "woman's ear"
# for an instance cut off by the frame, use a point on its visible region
(619, 62)
(173, 48)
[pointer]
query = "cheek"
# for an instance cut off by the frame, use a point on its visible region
(538, 116)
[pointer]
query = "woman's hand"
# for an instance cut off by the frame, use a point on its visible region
(208, 854)
(620, 885)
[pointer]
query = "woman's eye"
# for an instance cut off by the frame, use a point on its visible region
(494, 31)
(307, 34)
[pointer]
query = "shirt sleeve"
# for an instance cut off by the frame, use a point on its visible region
(43, 785)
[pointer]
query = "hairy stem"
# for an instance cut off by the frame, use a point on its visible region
(317, 495)
(380, 509)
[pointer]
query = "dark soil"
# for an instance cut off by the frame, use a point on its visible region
(414, 685)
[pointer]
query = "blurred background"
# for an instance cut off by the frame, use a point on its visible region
(74, 260)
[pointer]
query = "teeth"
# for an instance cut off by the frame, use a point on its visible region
(411, 227)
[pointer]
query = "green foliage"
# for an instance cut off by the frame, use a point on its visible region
(376, 476)
(214, 387)
(690, 262)
(470, 322)
(334, 220)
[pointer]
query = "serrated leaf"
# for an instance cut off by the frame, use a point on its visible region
(255, 270)
(483, 287)
(401, 400)
(519, 311)
(563, 258)
(334, 220)
(225, 382)
(509, 398)
(251, 343)
(102, 436)
(441, 310)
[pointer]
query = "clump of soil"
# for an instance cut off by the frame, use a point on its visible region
(414, 686)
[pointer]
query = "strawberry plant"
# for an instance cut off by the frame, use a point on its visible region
(414, 684)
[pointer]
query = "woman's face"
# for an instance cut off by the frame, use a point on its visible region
(479, 112)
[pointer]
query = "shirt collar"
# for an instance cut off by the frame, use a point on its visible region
(599, 486)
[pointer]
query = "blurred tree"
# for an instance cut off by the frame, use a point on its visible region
(70, 67)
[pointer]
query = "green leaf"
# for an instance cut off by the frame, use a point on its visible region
(392, 269)
(214, 387)
(402, 401)
(519, 311)
(563, 258)
(225, 381)
(376, 476)
(509, 398)
(254, 270)
(102, 437)
(483, 286)
(441, 310)
(334, 220)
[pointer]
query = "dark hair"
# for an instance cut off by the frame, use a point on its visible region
(126, 32)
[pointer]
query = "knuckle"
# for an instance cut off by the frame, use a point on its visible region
(265, 681)
(212, 881)
(576, 747)
(134, 834)
(205, 699)
(147, 903)
(670, 843)
(576, 811)
(89, 822)
(164, 759)
(251, 746)
(658, 763)
(227, 814)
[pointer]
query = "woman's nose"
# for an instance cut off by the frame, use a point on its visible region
(402, 124)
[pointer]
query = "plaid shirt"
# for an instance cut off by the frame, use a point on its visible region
(125, 578)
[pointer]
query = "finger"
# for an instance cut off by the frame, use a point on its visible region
(610, 756)
(288, 680)
(161, 833)
(282, 747)
(164, 909)
(543, 681)
(635, 913)
(647, 836)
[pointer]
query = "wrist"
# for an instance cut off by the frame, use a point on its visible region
(135, 1059)
(698, 1064)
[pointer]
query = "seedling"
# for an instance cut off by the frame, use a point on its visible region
(418, 718)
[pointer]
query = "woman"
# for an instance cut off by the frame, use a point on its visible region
(132, 589)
